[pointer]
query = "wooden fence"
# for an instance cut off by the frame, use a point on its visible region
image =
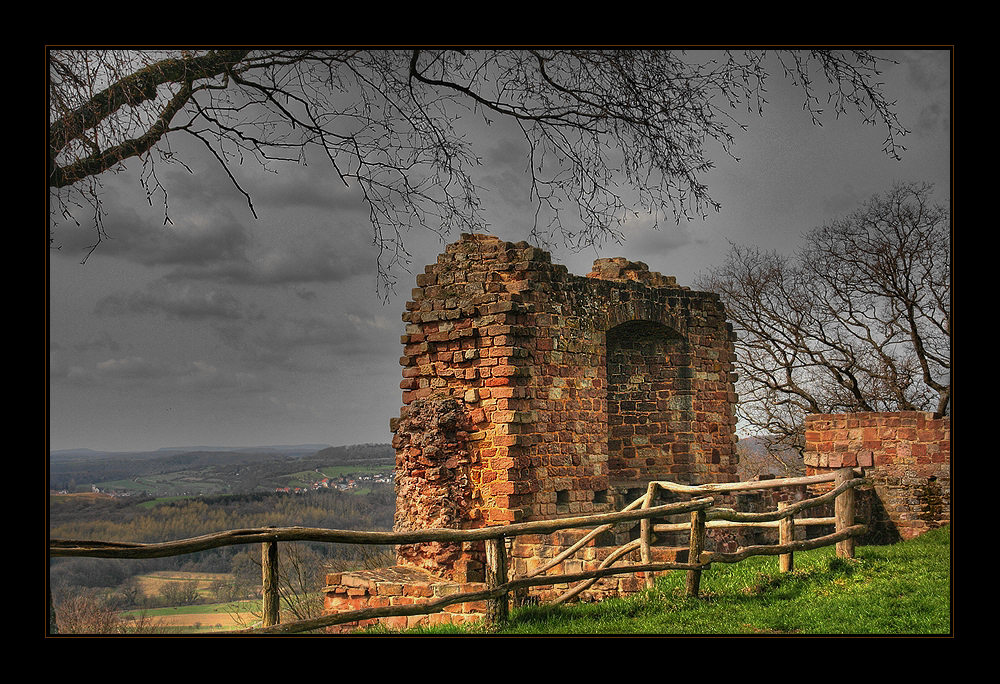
(499, 587)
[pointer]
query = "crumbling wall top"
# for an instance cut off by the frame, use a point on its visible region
(620, 269)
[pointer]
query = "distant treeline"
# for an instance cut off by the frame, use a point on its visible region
(136, 521)
(235, 471)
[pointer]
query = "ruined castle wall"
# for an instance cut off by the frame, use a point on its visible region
(434, 484)
(572, 390)
(907, 454)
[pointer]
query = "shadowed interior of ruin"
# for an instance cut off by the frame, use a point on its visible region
(649, 390)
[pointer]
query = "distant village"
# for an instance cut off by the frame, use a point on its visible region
(114, 493)
(343, 483)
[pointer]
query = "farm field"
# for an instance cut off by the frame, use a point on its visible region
(152, 583)
(218, 617)
(199, 618)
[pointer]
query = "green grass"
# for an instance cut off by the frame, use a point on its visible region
(153, 503)
(306, 477)
(898, 589)
(167, 484)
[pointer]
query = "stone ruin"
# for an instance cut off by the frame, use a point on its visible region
(906, 454)
(530, 394)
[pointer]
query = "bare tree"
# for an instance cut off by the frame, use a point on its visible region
(858, 320)
(612, 133)
(90, 612)
(761, 457)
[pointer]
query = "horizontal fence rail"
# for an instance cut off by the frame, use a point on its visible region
(498, 587)
(100, 549)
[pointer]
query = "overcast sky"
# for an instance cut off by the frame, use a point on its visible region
(226, 330)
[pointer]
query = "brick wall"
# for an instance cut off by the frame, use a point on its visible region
(398, 586)
(571, 382)
(576, 389)
(907, 454)
(530, 393)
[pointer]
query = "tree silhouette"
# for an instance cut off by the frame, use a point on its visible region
(859, 319)
(610, 134)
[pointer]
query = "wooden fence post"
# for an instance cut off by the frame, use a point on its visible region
(697, 545)
(269, 575)
(646, 533)
(496, 575)
(786, 535)
(844, 512)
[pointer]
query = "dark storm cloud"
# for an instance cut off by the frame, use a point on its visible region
(178, 301)
(140, 239)
(298, 186)
(210, 244)
(153, 376)
(101, 342)
(307, 261)
(843, 202)
(645, 241)
(929, 72)
(310, 342)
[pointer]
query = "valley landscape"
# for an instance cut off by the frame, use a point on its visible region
(178, 493)
(172, 494)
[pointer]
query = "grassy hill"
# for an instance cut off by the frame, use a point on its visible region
(901, 589)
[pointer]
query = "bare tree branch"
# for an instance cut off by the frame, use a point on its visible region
(613, 134)
(858, 320)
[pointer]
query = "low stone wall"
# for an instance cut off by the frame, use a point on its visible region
(907, 455)
(397, 586)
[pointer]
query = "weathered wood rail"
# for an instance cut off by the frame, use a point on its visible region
(498, 585)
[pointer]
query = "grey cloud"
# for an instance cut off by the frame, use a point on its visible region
(131, 369)
(101, 342)
(154, 376)
(933, 118)
(309, 186)
(508, 152)
(194, 239)
(646, 241)
(198, 241)
(311, 343)
(340, 335)
(927, 70)
(847, 200)
(181, 301)
(304, 262)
